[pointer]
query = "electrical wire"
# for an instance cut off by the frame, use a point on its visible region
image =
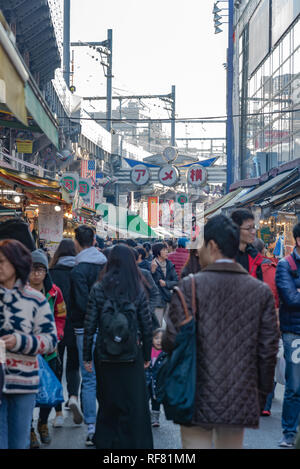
(183, 119)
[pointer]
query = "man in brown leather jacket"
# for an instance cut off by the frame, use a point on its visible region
(237, 341)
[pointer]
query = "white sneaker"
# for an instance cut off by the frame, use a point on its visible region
(75, 409)
(58, 421)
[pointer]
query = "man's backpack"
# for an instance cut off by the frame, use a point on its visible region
(118, 339)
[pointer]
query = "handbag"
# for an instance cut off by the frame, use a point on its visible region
(176, 379)
(50, 391)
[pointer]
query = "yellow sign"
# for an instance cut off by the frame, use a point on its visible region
(24, 146)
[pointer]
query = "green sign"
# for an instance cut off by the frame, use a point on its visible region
(182, 199)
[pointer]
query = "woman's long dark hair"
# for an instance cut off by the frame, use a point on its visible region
(120, 276)
(65, 248)
(192, 265)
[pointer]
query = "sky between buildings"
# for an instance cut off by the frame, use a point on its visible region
(156, 44)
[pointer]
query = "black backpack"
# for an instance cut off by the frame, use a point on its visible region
(118, 339)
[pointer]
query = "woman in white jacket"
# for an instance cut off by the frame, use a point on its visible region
(27, 328)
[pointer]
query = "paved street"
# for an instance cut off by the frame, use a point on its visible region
(72, 436)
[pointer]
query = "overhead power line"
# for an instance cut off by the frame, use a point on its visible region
(207, 119)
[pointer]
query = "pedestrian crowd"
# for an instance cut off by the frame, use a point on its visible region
(109, 313)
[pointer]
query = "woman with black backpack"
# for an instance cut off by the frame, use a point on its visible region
(118, 307)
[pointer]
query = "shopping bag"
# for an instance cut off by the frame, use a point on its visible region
(50, 392)
(176, 379)
(2, 367)
(280, 365)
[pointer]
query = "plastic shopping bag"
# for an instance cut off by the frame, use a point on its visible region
(280, 365)
(2, 370)
(50, 392)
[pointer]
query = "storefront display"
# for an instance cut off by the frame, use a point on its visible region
(277, 233)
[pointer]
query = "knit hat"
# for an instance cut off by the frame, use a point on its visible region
(39, 257)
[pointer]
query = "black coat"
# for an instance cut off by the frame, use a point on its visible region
(123, 420)
(151, 373)
(83, 277)
(61, 276)
(145, 265)
(171, 280)
(153, 296)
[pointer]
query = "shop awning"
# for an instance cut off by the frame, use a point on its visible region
(269, 188)
(13, 76)
(222, 201)
(232, 202)
(34, 187)
(121, 221)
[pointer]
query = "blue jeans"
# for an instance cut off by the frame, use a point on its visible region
(291, 401)
(270, 398)
(88, 385)
(16, 413)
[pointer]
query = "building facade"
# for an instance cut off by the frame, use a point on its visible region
(266, 87)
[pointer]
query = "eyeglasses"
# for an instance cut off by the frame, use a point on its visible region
(250, 228)
(39, 271)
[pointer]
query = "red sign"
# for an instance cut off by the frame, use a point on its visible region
(153, 211)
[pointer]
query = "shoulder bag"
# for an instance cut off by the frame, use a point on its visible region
(176, 379)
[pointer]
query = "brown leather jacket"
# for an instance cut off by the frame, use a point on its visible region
(237, 342)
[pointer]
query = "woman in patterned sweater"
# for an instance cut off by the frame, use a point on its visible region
(27, 327)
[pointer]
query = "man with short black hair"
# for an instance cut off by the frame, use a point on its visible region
(142, 262)
(288, 286)
(180, 256)
(147, 247)
(247, 255)
(88, 264)
(237, 341)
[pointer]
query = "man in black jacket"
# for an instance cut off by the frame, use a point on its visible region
(88, 264)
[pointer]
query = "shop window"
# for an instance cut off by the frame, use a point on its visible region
(275, 59)
(296, 62)
(296, 32)
(285, 47)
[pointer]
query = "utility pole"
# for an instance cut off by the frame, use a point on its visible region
(109, 81)
(66, 43)
(104, 48)
(173, 134)
(229, 124)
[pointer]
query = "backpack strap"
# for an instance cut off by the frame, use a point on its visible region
(291, 261)
(188, 317)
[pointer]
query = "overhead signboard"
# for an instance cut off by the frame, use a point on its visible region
(168, 175)
(140, 175)
(196, 175)
(70, 182)
(85, 189)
